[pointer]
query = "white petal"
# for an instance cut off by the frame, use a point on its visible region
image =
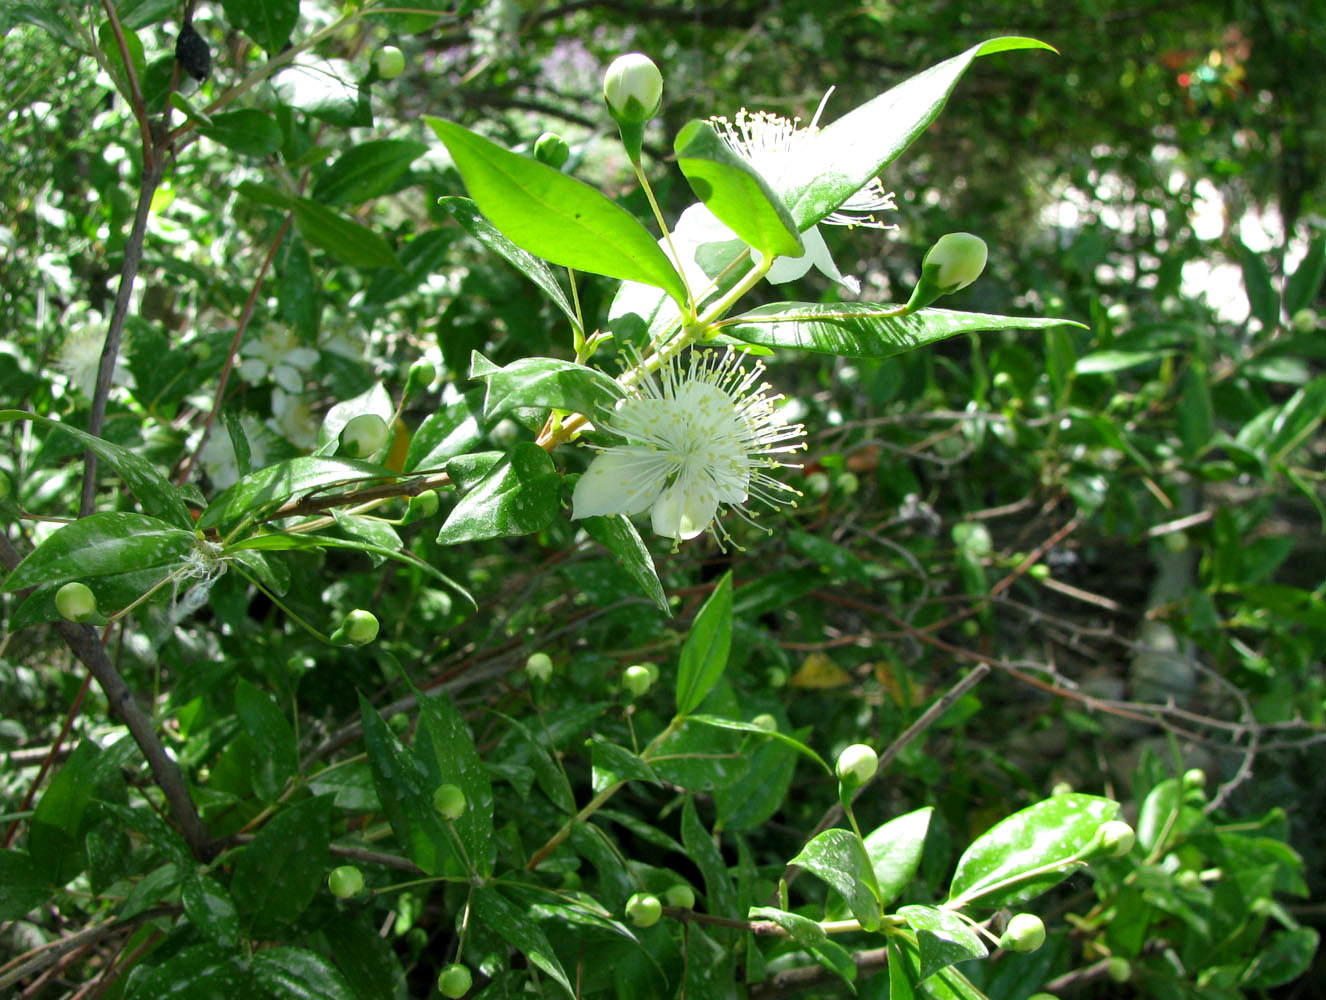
(288, 378)
(619, 481)
(817, 254)
(683, 512)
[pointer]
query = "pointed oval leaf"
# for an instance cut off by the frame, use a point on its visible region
(843, 157)
(735, 192)
(275, 484)
(277, 876)
(864, 329)
(620, 536)
(114, 542)
(512, 924)
(343, 238)
(273, 739)
(557, 217)
(247, 131)
(721, 894)
(943, 938)
(704, 654)
(545, 382)
(298, 974)
(444, 744)
(895, 851)
(838, 858)
(1029, 852)
(367, 170)
(517, 496)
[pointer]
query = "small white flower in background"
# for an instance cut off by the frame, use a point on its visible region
(218, 455)
(771, 143)
(277, 355)
(80, 357)
(698, 438)
(293, 419)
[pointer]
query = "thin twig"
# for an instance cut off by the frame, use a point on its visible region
(48, 954)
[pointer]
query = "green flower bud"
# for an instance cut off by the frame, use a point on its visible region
(766, 722)
(76, 602)
(644, 909)
(636, 680)
(1194, 779)
(449, 801)
(953, 263)
(1305, 321)
(1114, 839)
(360, 628)
(776, 676)
(1062, 788)
(848, 483)
(1188, 879)
(345, 882)
(421, 376)
(422, 506)
(539, 666)
(552, 149)
(1025, 932)
(389, 62)
(364, 435)
(455, 981)
(1119, 969)
(857, 765)
(633, 88)
(680, 896)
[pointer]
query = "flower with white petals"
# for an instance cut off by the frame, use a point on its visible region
(277, 355)
(698, 438)
(771, 144)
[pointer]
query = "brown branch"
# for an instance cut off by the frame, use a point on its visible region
(135, 91)
(46, 955)
(795, 980)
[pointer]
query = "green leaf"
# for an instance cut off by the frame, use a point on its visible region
(109, 44)
(704, 654)
(1029, 852)
(1297, 420)
(158, 497)
(444, 434)
(1108, 362)
(1262, 297)
(102, 545)
(299, 974)
(275, 758)
(1303, 285)
(364, 957)
(270, 487)
(544, 382)
(619, 535)
(513, 925)
(943, 938)
(842, 157)
(761, 791)
(946, 984)
(750, 727)
(367, 170)
(1196, 417)
(902, 981)
(864, 329)
(248, 131)
(1286, 957)
(373, 400)
(325, 89)
(619, 762)
(466, 212)
(417, 261)
(557, 217)
(838, 858)
(445, 747)
(895, 851)
(720, 893)
(200, 970)
(55, 829)
(519, 495)
(22, 886)
(735, 192)
(343, 238)
(267, 22)
(810, 935)
(277, 876)
(209, 907)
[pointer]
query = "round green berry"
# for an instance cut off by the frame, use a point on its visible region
(364, 435)
(1119, 969)
(680, 896)
(76, 602)
(360, 628)
(389, 61)
(449, 801)
(1025, 932)
(345, 882)
(766, 722)
(551, 149)
(644, 909)
(455, 980)
(636, 680)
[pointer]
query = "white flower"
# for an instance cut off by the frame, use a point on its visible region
(771, 144)
(699, 438)
(218, 455)
(277, 354)
(293, 419)
(80, 358)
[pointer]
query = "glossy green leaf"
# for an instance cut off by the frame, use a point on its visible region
(863, 329)
(277, 876)
(101, 545)
(22, 886)
(1297, 420)
(248, 131)
(943, 938)
(842, 157)
(838, 858)
(1108, 362)
(513, 925)
(275, 756)
(418, 259)
(946, 984)
(453, 430)
(1027, 853)
(1285, 957)
(208, 906)
(749, 727)
(519, 495)
(200, 970)
(467, 213)
(762, 791)
(1303, 285)
(444, 745)
(902, 981)
(56, 826)
(810, 935)
(1196, 416)
(298, 974)
(274, 485)
(325, 88)
(1263, 301)
(735, 192)
(618, 762)
(557, 217)
(374, 400)
(110, 46)
(704, 654)
(348, 241)
(364, 957)
(158, 497)
(544, 382)
(367, 170)
(895, 851)
(267, 22)
(620, 536)
(720, 893)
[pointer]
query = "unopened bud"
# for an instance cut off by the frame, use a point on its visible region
(364, 435)
(421, 376)
(644, 909)
(1025, 932)
(389, 62)
(551, 149)
(360, 628)
(76, 602)
(345, 882)
(1114, 839)
(449, 801)
(766, 722)
(539, 666)
(857, 765)
(1119, 969)
(422, 506)
(633, 88)
(953, 263)
(1305, 321)
(636, 680)
(680, 896)
(455, 981)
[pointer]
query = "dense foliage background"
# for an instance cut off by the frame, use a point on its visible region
(1085, 556)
